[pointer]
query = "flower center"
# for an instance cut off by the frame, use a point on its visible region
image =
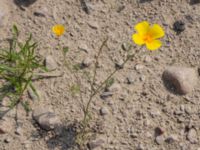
(148, 38)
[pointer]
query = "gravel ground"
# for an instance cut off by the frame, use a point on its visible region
(142, 114)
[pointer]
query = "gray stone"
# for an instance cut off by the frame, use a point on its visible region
(119, 64)
(181, 79)
(93, 24)
(139, 67)
(87, 62)
(171, 139)
(46, 118)
(95, 143)
(126, 46)
(192, 136)
(130, 80)
(50, 63)
(160, 139)
(104, 111)
(105, 95)
(19, 131)
(8, 140)
(140, 147)
(83, 47)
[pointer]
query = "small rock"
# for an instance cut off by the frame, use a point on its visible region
(159, 131)
(50, 63)
(171, 139)
(105, 95)
(104, 111)
(126, 46)
(87, 62)
(179, 26)
(19, 131)
(139, 67)
(160, 139)
(140, 147)
(192, 136)
(93, 24)
(181, 79)
(130, 80)
(119, 64)
(83, 47)
(142, 78)
(8, 140)
(46, 118)
(95, 143)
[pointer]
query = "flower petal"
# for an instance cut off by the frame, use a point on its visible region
(156, 31)
(142, 27)
(58, 30)
(137, 38)
(155, 44)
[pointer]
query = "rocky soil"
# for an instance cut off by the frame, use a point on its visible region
(154, 101)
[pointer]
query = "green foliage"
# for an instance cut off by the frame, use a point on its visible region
(17, 65)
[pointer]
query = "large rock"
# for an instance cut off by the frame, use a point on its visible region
(181, 79)
(46, 118)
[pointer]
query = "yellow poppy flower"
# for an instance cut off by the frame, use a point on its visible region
(148, 35)
(58, 30)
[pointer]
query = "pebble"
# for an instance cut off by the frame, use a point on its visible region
(105, 95)
(95, 143)
(130, 80)
(8, 140)
(126, 46)
(50, 63)
(171, 139)
(192, 136)
(139, 67)
(87, 62)
(104, 111)
(142, 78)
(160, 139)
(93, 24)
(140, 147)
(179, 26)
(84, 47)
(181, 79)
(46, 118)
(19, 131)
(119, 64)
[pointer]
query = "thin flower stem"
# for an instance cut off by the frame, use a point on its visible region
(96, 62)
(86, 112)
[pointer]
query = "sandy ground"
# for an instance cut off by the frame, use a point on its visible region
(138, 108)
